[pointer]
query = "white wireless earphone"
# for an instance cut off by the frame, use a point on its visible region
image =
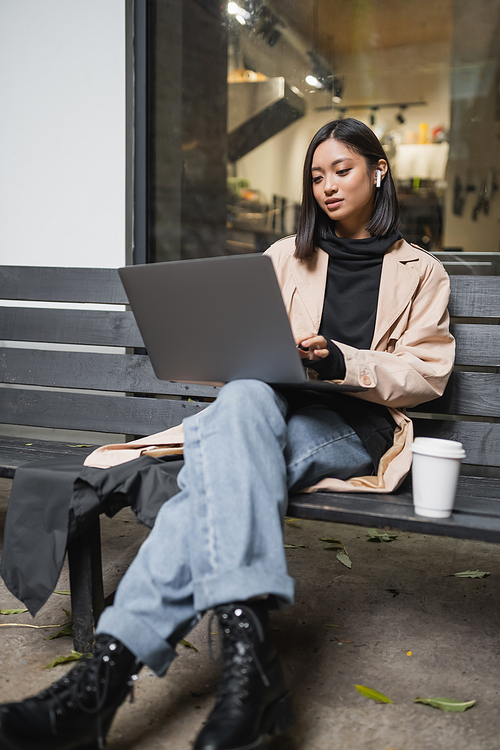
(379, 178)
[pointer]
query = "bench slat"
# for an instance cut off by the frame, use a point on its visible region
(480, 439)
(15, 451)
(100, 372)
(92, 327)
(79, 411)
(474, 297)
(378, 510)
(470, 393)
(477, 345)
(90, 285)
(118, 373)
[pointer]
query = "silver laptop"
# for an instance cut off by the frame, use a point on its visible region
(214, 320)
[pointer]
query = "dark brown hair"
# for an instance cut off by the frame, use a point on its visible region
(312, 220)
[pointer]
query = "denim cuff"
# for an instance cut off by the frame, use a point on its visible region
(136, 634)
(241, 585)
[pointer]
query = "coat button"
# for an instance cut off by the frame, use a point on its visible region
(366, 380)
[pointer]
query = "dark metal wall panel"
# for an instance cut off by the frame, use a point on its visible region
(79, 411)
(92, 285)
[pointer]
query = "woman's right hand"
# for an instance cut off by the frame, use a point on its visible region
(312, 346)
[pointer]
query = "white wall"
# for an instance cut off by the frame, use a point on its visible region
(63, 180)
(62, 132)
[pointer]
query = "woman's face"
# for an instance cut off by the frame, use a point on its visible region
(342, 186)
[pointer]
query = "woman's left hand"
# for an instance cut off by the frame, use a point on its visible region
(312, 347)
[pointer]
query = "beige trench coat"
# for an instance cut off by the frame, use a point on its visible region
(409, 361)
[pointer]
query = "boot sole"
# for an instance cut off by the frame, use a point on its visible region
(24, 743)
(10, 743)
(277, 719)
(280, 715)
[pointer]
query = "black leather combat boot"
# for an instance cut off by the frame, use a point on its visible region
(77, 710)
(252, 699)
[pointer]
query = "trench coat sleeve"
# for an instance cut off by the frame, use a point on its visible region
(417, 361)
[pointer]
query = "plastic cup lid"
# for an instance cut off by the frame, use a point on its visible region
(438, 447)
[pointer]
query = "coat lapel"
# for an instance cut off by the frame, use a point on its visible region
(310, 282)
(397, 286)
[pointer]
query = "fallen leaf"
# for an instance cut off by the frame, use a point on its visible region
(374, 695)
(64, 593)
(342, 554)
(188, 645)
(294, 546)
(471, 574)
(12, 611)
(331, 625)
(408, 653)
(344, 558)
(74, 656)
(81, 445)
(446, 704)
(331, 541)
(67, 629)
(380, 536)
(28, 443)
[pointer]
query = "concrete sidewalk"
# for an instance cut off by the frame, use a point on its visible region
(397, 598)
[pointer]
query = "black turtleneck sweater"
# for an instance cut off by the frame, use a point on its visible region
(349, 312)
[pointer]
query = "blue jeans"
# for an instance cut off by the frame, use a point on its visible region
(220, 539)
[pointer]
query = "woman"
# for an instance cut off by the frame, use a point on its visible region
(367, 309)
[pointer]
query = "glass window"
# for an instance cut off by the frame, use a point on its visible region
(237, 90)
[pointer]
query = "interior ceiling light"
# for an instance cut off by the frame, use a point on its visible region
(241, 14)
(313, 81)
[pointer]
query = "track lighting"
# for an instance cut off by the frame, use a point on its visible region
(400, 115)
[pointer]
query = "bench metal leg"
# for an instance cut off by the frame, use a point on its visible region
(87, 594)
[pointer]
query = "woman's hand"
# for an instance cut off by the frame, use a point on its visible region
(312, 346)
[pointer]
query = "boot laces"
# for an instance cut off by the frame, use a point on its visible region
(239, 626)
(86, 687)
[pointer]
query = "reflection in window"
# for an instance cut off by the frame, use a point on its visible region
(240, 89)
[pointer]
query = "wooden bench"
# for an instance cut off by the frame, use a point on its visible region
(115, 391)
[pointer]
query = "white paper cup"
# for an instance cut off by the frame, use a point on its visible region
(435, 472)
